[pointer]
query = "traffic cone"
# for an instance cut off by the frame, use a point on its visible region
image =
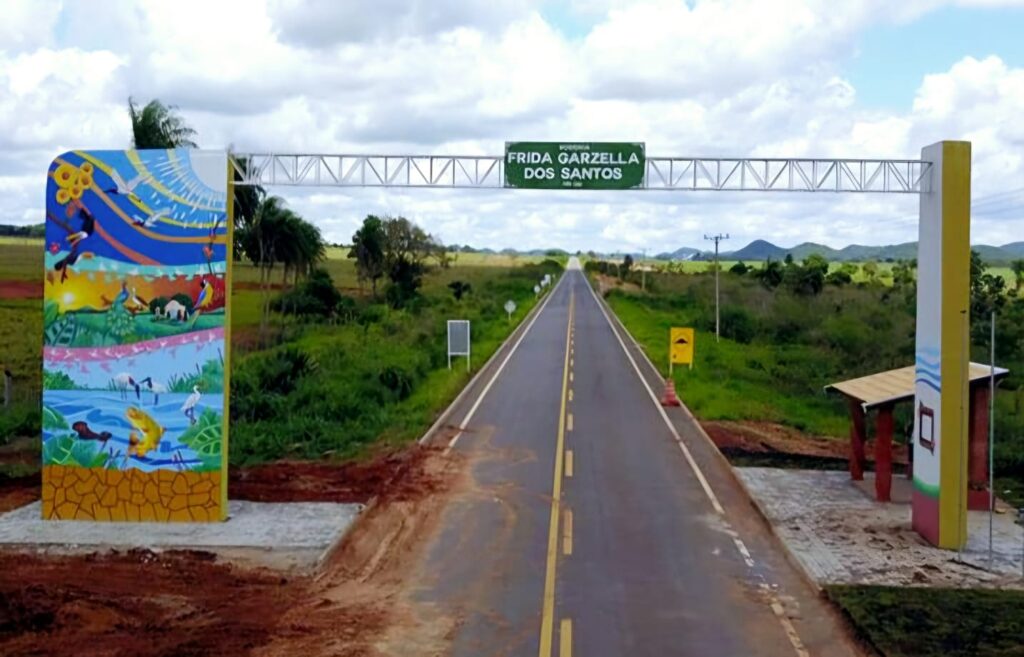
(669, 398)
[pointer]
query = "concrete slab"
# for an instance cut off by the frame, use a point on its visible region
(838, 534)
(288, 536)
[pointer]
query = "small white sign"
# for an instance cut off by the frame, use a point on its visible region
(510, 307)
(536, 289)
(458, 340)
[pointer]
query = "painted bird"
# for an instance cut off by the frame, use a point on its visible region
(155, 387)
(122, 296)
(151, 220)
(124, 381)
(88, 226)
(189, 407)
(126, 188)
(205, 297)
(134, 304)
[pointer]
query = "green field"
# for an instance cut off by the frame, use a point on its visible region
(929, 622)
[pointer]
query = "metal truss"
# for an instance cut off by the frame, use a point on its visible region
(663, 173)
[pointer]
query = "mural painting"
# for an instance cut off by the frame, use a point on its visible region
(135, 358)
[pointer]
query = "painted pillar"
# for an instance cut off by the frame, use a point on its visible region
(977, 463)
(858, 436)
(883, 455)
(943, 326)
(135, 336)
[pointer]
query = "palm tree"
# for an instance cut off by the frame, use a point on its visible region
(247, 199)
(158, 126)
(1018, 271)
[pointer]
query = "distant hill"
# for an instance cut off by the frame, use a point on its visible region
(760, 250)
(1016, 248)
(757, 250)
(684, 253)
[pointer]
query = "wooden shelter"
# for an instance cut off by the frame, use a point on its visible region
(881, 392)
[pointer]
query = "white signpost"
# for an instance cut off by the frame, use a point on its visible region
(458, 340)
(510, 307)
(536, 290)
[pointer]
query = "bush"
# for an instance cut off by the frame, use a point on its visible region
(738, 324)
(316, 296)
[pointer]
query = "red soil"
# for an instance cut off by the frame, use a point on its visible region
(21, 289)
(767, 438)
(185, 603)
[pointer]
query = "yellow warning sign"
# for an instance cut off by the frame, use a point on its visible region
(680, 350)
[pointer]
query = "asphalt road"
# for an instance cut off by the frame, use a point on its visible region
(600, 525)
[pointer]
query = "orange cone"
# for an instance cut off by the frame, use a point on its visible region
(669, 398)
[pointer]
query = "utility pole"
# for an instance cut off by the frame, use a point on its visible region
(716, 239)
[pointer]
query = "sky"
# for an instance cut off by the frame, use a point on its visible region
(724, 78)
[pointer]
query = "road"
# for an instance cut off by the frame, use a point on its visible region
(601, 525)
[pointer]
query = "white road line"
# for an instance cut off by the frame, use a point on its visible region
(773, 601)
(483, 393)
(664, 416)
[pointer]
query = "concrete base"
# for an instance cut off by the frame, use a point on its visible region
(838, 534)
(288, 536)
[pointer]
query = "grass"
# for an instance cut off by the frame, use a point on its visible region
(20, 261)
(767, 382)
(344, 390)
(928, 622)
(779, 350)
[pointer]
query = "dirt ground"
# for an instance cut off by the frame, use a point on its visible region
(182, 604)
(764, 443)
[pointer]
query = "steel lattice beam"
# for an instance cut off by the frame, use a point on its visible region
(662, 173)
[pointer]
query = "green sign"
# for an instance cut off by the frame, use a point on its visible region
(574, 165)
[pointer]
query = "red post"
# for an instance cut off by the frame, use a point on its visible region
(858, 436)
(977, 455)
(883, 454)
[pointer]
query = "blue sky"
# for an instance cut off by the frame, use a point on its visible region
(892, 59)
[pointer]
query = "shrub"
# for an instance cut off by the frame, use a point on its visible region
(316, 296)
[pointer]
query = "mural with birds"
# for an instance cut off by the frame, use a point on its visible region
(134, 326)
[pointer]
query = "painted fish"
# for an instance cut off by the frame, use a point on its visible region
(146, 433)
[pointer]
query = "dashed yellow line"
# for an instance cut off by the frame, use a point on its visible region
(565, 638)
(548, 608)
(569, 423)
(568, 463)
(570, 394)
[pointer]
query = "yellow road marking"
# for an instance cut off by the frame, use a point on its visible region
(568, 463)
(569, 428)
(567, 532)
(547, 622)
(570, 376)
(565, 638)
(570, 394)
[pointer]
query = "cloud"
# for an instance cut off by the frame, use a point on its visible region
(730, 78)
(326, 23)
